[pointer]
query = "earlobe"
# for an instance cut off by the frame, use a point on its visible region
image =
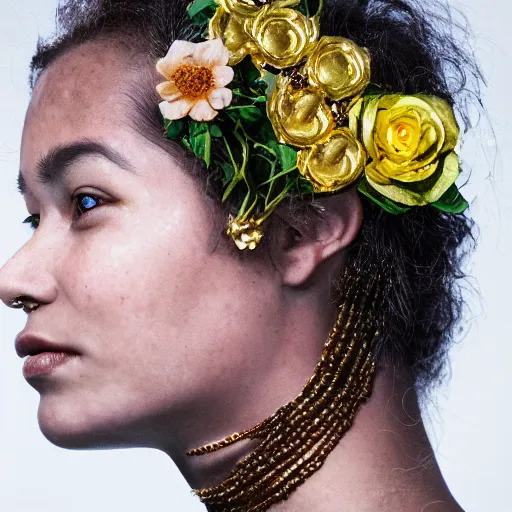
(302, 253)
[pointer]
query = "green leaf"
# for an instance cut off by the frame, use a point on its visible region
(287, 156)
(304, 186)
(266, 131)
(173, 129)
(200, 11)
(200, 140)
(229, 172)
(309, 7)
(215, 130)
(451, 201)
(249, 73)
(385, 203)
(254, 99)
(208, 148)
(303, 7)
(233, 114)
(250, 113)
(374, 90)
(186, 143)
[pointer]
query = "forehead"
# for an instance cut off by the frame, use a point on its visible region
(83, 94)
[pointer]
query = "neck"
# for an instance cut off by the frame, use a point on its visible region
(385, 461)
(381, 461)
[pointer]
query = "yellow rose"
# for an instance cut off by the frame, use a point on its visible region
(410, 140)
(333, 164)
(405, 136)
(300, 117)
(284, 36)
(339, 67)
(424, 192)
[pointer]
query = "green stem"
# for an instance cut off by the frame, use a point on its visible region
(207, 147)
(272, 181)
(265, 158)
(230, 155)
(244, 204)
(236, 178)
(243, 215)
(279, 175)
(259, 145)
(273, 205)
(254, 99)
(241, 172)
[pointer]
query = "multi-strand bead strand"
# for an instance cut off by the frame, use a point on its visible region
(298, 437)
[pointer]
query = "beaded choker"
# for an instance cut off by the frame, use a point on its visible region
(298, 437)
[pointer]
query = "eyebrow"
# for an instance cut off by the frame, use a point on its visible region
(53, 167)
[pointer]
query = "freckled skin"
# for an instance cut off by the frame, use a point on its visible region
(180, 344)
(162, 323)
(182, 340)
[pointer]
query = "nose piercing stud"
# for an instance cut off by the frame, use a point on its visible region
(27, 305)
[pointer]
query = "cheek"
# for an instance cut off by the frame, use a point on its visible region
(146, 296)
(133, 273)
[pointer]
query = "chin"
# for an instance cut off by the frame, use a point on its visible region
(72, 430)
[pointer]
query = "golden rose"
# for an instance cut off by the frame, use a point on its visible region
(406, 135)
(232, 32)
(246, 234)
(250, 7)
(333, 164)
(284, 36)
(240, 7)
(300, 117)
(339, 67)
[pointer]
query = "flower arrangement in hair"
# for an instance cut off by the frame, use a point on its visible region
(295, 112)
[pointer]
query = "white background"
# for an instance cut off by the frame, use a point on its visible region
(469, 423)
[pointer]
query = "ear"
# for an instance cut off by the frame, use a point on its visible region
(299, 252)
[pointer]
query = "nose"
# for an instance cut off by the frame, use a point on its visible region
(26, 277)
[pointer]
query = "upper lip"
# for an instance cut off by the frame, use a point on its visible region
(27, 344)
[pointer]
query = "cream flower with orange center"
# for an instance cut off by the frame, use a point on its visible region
(197, 75)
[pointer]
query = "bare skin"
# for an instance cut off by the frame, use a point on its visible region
(181, 340)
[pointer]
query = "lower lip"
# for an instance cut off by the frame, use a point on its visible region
(44, 363)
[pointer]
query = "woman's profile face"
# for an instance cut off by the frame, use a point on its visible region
(129, 278)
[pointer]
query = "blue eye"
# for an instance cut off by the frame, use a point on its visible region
(87, 202)
(84, 204)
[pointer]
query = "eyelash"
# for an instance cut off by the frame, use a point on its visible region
(33, 220)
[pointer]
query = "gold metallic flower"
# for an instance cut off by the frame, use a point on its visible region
(196, 76)
(240, 7)
(405, 136)
(272, 34)
(250, 7)
(300, 117)
(339, 67)
(333, 164)
(284, 36)
(232, 32)
(246, 234)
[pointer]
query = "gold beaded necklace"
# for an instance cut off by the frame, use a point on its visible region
(298, 437)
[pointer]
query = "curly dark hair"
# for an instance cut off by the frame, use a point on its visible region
(412, 51)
